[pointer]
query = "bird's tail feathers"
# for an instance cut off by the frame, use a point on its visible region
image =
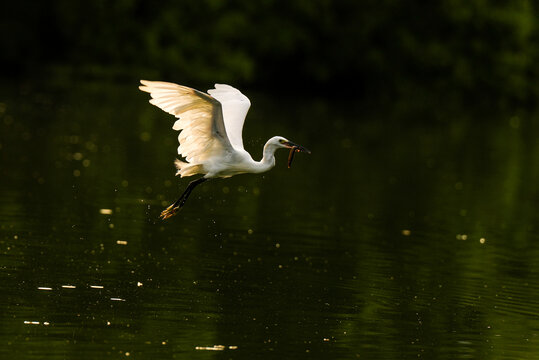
(186, 169)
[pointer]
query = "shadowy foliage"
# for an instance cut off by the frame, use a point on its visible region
(465, 48)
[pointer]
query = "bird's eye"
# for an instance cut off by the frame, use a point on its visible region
(282, 141)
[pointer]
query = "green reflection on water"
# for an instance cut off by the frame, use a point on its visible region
(369, 247)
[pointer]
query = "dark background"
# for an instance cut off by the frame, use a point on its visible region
(465, 51)
(411, 231)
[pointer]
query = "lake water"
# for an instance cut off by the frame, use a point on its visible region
(407, 233)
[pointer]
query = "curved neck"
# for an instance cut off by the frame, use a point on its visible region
(268, 158)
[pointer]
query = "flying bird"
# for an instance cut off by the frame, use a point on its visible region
(210, 137)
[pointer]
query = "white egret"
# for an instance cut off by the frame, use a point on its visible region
(210, 136)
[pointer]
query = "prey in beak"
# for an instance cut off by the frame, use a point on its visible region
(293, 149)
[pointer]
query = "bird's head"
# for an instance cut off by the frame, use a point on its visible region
(280, 142)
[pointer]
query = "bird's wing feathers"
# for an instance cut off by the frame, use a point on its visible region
(200, 119)
(235, 107)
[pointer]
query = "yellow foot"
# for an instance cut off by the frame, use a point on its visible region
(169, 212)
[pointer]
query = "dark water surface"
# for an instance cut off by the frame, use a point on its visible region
(401, 237)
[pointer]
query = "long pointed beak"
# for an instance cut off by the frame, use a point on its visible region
(300, 148)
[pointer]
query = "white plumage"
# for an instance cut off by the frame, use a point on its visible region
(235, 107)
(210, 135)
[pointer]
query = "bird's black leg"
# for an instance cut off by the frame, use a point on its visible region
(178, 204)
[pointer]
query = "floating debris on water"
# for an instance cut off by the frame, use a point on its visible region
(406, 232)
(121, 242)
(97, 286)
(28, 322)
(117, 299)
(69, 286)
(482, 240)
(216, 347)
(44, 288)
(105, 211)
(462, 237)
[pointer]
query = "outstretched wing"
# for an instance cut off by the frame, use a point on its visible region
(200, 119)
(235, 107)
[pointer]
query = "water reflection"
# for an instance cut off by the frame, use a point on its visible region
(424, 247)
